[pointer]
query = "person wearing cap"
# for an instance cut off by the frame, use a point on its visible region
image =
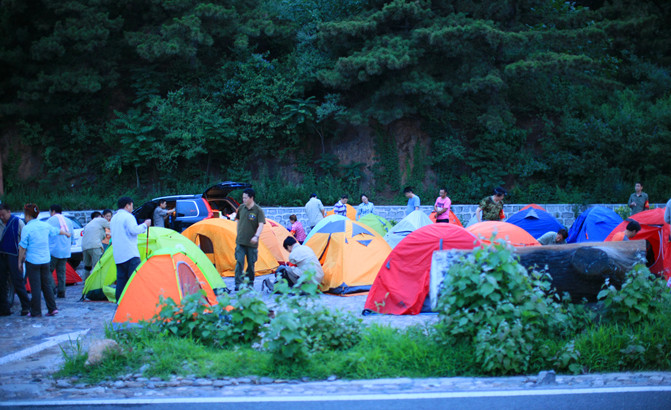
(315, 210)
(34, 251)
(491, 207)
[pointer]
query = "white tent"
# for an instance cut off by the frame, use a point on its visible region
(412, 222)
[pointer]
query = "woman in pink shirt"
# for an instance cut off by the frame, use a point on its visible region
(297, 229)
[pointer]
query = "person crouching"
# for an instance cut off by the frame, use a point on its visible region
(304, 259)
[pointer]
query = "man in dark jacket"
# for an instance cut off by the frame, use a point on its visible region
(10, 235)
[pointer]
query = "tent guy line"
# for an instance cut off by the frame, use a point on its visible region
(51, 341)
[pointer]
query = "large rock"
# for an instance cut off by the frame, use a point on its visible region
(99, 348)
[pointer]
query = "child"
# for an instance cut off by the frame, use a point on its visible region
(297, 229)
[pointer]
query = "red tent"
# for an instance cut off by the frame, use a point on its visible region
(402, 283)
(656, 232)
(535, 206)
(71, 277)
(453, 218)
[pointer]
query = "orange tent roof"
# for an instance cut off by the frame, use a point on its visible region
(535, 206)
(453, 218)
(502, 230)
(168, 273)
(216, 238)
(351, 212)
(273, 236)
(350, 253)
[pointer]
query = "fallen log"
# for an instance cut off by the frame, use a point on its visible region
(580, 269)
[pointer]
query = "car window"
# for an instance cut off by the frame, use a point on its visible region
(187, 208)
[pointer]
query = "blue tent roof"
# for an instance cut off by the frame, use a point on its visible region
(329, 219)
(593, 225)
(535, 221)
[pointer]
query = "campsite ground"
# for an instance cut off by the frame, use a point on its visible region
(31, 346)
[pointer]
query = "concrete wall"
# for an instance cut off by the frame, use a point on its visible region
(565, 213)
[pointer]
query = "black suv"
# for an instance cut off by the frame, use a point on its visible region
(189, 209)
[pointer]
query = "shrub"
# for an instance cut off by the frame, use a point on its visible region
(488, 297)
(302, 327)
(642, 295)
(232, 320)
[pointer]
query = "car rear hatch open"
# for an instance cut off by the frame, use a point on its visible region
(218, 196)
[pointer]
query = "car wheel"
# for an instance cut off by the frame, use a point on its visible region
(75, 260)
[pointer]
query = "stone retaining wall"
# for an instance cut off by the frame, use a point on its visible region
(565, 213)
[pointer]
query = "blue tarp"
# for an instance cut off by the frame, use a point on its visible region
(593, 225)
(535, 221)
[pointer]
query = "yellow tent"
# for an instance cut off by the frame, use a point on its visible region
(273, 236)
(216, 238)
(351, 254)
(351, 212)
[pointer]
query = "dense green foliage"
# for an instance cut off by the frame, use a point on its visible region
(558, 101)
(495, 318)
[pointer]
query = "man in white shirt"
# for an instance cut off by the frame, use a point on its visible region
(314, 210)
(125, 230)
(92, 239)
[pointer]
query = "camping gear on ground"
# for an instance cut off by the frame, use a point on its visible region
(323, 222)
(216, 238)
(535, 221)
(170, 273)
(657, 234)
(376, 222)
(351, 212)
(350, 253)
(273, 236)
(402, 284)
(413, 221)
(453, 218)
(99, 285)
(71, 277)
(512, 234)
(593, 225)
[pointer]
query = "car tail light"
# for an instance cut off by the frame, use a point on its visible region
(209, 209)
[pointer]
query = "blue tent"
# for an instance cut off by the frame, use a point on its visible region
(535, 221)
(325, 221)
(593, 225)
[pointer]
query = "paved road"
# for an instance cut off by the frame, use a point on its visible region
(648, 398)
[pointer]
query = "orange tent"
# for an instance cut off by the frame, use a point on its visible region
(216, 238)
(453, 218)
(350, 253)
(168, 273)
(351, 212)
(513, 234)
(273, 236)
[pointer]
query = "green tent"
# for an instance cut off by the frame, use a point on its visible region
(98, 286)
(377, 223)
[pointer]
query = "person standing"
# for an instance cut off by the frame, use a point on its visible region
(413, 201)
(554, 238)
(10, 235)
(638, 201)
(365, 207)
(314, 210)
(442, 206)
(160, 213)
(125, 229)
(297, 229)
(340, 207)
(250, 219)
(92, 241)
(491, 208)
(34, 251)
(60, 246)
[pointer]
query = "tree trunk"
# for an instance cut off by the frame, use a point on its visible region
(137, 177)
(582, 268)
